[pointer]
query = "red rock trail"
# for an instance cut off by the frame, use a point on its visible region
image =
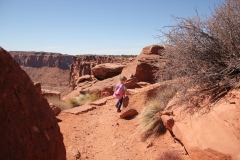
(100, 134)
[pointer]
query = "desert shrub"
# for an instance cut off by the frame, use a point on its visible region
(207, 50)
(58, 103)
(152, 124)
(169, 155)
(81, 99)
(166, 94)
(88, 97)
(73, 102)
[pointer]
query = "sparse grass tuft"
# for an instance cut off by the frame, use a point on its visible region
(82, 99)
(73, 102)
(169, 155)
(58, 103)
(88, 97)
(152, 124)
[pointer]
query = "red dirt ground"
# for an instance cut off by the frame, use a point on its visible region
(100, 134)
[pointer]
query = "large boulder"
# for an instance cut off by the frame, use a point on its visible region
(210, 134)
(29, 129)
(107, 70)
(146, 65)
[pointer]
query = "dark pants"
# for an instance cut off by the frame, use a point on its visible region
(119, 103)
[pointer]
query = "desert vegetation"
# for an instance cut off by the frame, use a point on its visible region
(151, 122)
(207, 51)
(81, 99)
(59, 103)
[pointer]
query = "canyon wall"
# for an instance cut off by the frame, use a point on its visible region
(42, 59)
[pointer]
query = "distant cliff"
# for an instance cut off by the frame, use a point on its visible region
(41, 59)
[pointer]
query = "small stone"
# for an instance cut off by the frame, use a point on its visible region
(129, 114)
(150, 144)
(78, 155)
(35, 129)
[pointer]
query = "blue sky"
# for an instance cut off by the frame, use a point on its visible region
(90, 26)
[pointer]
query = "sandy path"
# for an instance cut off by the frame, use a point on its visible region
(101, 135)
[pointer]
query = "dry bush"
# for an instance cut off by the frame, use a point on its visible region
(73, 102)
(207, 50)
(88, 97)
(82, 99)
(169, 155)
(166, 94)
(58, 103)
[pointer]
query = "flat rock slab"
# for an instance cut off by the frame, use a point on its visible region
(129, 114)
(80, 110)
(102, 101)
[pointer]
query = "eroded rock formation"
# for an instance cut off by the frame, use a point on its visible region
(82, 66)
(107, 70)
(41, 59)
(143, 68)
(29, 129)
(146, 65)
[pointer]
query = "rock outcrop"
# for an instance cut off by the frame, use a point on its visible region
(143, 68)
(29, 129)
(146, 65)
(214, 134)
(82, 66)
(107, 70)
(41, 59)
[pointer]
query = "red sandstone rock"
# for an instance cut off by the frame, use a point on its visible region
(107, 70)
(82, 65)
(56, 110)
(168, 121)
(153, 50)
(129, 114)
(84, 78)
(51, 94)
(131, 82)
(38, 87)
(80, 110)
(29, 129)
(146, 65)
(210, 135)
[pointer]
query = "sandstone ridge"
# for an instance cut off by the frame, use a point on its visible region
(41, 59)
(29, 129)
